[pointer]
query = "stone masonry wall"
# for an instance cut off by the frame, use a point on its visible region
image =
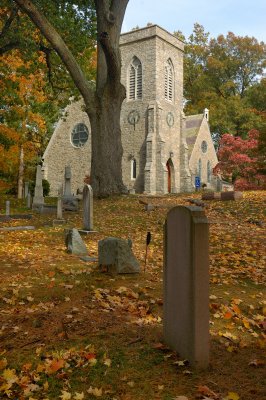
(61, 152)
(153, 46)
(197, 153)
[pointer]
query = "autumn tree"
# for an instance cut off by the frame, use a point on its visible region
(219, 74)
(27, 112)
(241, 162)
(103, 99)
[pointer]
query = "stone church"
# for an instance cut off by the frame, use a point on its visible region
(163, 151)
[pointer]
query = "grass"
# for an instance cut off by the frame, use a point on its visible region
(106, 331)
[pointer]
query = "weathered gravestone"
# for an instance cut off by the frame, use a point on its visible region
(87, 208)
(186, 284)
(26, 189)
(70, 203)
(74, 243)
(211, 196)
(231, 195)
(7, 208)
(59, 208)
(38, 199)
(28, 200)
(115, 255)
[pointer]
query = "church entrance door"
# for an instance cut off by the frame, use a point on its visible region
(170, 173)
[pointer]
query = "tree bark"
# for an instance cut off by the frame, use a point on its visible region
(104, 105)
(20, 172)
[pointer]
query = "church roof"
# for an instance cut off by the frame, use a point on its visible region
(193, 123)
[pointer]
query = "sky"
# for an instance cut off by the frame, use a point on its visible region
(242, 17)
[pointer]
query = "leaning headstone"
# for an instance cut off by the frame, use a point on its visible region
(26, 189)
(74, 243)
(38, 199)
(116, 256)
(231, 195)
(186, 284)
(87, 208)
(7, 208)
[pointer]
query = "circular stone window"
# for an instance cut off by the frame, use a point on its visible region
(79, 135)
(204, 146)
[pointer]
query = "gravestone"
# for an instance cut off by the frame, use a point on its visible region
(7, 208)
(87, 208)
(116, 256)
(231, 195)
(38, 199)
(67, 189)
(59, 208)
(69, 202)
(59, 213)
(26, 189)
(28, 200)
(211, 196)
(186, 284)
(74, 243)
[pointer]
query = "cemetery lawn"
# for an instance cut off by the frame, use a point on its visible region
(68, 331)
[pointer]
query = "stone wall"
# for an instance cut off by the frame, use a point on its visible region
(197, 153)
(61, 152)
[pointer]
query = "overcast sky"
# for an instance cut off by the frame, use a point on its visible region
(242, 17)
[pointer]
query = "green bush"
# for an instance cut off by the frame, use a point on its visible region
(45, 185)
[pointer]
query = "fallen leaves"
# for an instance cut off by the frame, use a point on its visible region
(35, 379)
(126, 300)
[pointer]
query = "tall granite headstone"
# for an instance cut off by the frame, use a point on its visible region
(7, 208)
(87, 208)
(67, 189)
(26, 189)
(28, 200)
(38, 199)
(186, 284)
(70, 203)
(59, 213)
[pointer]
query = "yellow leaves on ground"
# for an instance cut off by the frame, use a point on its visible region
(54, 366)
(232, 396)
(3, 363)
(95, 391)
(31, 380)
(126, 300)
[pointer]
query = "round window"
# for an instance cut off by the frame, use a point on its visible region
(79, 135)
(204, 146)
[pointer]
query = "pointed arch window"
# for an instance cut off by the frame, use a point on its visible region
(168, 80)
(135, 79)
(208, 171)
(133, 169)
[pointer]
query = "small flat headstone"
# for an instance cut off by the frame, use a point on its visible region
(59, 222)
(211, 196)
(17, 228)
(88, 259)
(231, 195)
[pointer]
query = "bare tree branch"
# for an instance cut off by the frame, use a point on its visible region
(9, 21)
(9, 46)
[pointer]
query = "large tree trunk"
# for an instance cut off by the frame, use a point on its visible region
(104, 105)
(106, 169)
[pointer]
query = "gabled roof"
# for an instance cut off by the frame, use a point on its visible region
(193, 123)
